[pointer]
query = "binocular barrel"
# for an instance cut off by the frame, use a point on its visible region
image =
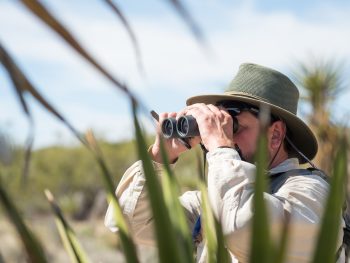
(185, 127)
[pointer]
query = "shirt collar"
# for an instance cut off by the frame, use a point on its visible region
(286, 165)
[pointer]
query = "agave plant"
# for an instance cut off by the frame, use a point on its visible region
(322, 82)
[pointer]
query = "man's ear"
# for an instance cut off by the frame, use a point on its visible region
(277, 132)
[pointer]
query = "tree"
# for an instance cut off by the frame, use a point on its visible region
(322, 82)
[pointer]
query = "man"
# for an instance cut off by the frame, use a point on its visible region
(231, 171)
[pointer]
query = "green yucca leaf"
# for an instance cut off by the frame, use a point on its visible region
(196, 31)
(326, 244)
(212, 231)
(123, 228)
(201, 165)
(34, 249)
(176, 211)
(16, 75)
(22, 85)
(28, 153)
(69, 239)
(128, 244)
(97, 154)
(260, 240)
(19, 80)
(2, 260)
(280, 249)
(131, 33)
(222, 254)
(50, 20)
(208, 225)
(164, 231)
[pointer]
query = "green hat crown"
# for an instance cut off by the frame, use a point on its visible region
(267, 85)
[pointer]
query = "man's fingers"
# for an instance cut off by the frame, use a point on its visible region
(195, 107)
(172, 115)
(199, 111)
(214, 109)
(163, 115)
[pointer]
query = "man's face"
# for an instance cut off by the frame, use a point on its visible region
(247, 134)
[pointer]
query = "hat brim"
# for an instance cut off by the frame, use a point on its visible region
(301, 135)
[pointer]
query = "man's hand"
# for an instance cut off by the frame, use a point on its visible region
(215, 124)
(173, 147)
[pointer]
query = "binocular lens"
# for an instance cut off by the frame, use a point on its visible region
(187, 127)
(182, 126)
(169, 128)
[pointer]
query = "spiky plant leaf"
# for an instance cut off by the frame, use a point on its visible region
(131, 33)
(50, 20)
(177, 215)
(261, 250)
(279, 251)
(165, 232)
(22, 85)
(212, 231)
(208, 225)
(124, 232)
(69, 239)
(2, 260)
(186, 16)
(326, 243)
(33, 248)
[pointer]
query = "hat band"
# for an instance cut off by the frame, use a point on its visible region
(260, 99)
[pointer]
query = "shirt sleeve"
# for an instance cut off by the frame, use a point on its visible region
(133, 199)
(231, 190)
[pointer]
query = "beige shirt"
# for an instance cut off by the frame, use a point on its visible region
(230, 191)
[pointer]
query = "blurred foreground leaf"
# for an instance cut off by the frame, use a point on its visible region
(50, 20)
(121, 223)
(22, 85)
(178, 218)
(186, 16)
(131, 33)
(261, 250)
(212, 231)
(327, 241)
(281, 247)
(33, 248)
(168, 247)
(69, 239)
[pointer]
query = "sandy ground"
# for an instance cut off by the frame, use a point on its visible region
(98, 242)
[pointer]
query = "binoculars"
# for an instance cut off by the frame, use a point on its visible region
(185, 127)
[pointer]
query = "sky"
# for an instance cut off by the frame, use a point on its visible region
(277, 34)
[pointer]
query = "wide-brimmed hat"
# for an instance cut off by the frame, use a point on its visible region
(262, 86)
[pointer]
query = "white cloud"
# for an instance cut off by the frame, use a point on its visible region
(278, 37)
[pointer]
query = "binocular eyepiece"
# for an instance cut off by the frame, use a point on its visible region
(185, 127)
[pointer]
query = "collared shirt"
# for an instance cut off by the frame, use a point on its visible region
(230, 192)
